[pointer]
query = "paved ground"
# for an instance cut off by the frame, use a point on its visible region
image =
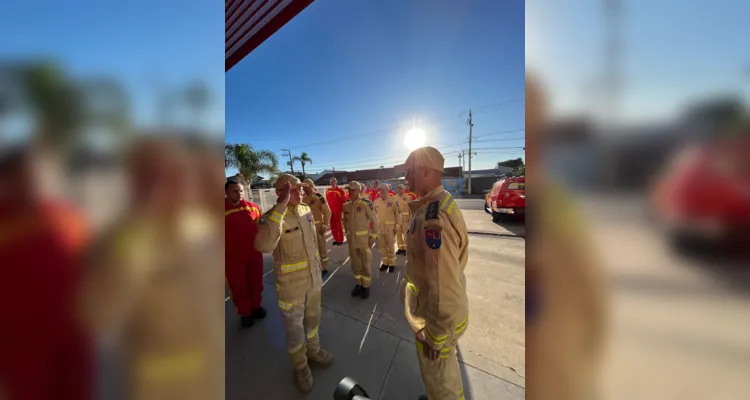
(683, 319)
(480, 222)
(372, 342)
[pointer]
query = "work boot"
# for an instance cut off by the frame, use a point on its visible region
(259, 313)
(365, 292)
(357, 291)
(336, 243)
(304, 379)
(423, 397)
(247, 321)
(323, 273)
(400, 251)
(323, 357)
(383, 267)
(391, 268)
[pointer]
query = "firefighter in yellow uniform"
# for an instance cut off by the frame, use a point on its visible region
(288, 230)
(566, 301)
(322, 215)
(389, 220)
(360, 228)
(403, 200)
(434, 286)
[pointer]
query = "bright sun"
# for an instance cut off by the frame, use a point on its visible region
(414, 138)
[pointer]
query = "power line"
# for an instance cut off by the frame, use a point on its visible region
(500, 140)
(500, 132)
(485, 108)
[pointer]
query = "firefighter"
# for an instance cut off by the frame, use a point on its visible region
(153, 277)
(243, 265)
(566, 306)
(44, 351)
(321, 215)
(336, 198)
(374, 191)
(288, 230)
(391, 193)
(360, 228)
(389, 220)
(434, 287)
(403, 200)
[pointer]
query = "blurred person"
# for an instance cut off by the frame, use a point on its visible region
(410, 194)
(336, 198)
(321, 214)
(389, 222)
(374, 191)
(360, 228)
(288, 230)
(403, 200)
(390, 191)
(243, 265)
(151, 287)
(44, 351)
(434, 285)
(564, 299)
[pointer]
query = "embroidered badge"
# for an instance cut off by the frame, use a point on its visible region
(309, 218)
(432, 210)
(432, 236)
(390, 204)
(263, 220)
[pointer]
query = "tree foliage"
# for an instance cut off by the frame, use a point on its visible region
(514, 163)
(303, 159)
(249, 161)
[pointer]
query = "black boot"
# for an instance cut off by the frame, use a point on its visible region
(365, 292)
(259, 313)
(423, 397)
(247, 322)
(383, 267)
(357, 291)
(391, 268)
(324, 273)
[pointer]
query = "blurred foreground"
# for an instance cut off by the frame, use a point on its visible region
(112, 253)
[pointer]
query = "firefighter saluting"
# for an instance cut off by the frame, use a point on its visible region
(434, 287)
(288, 230)
(321, 215)
(389, 220)
(403, 200)
(360, 227)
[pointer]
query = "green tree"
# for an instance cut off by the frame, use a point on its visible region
(519, 170)
(249, 161)
(515, 163)
(303, 159)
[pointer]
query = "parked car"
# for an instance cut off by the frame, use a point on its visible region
(506, 199)
(703, 196)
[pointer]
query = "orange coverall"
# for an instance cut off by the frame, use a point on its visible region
(243, 265)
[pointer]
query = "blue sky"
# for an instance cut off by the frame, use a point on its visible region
(673, 51)
(346, 79)
(139, 42)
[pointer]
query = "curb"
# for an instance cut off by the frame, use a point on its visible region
(495, 234)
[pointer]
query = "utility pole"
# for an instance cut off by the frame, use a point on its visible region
(289, 154)
(471, 126)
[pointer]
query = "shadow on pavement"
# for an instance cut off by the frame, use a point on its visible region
(728, 264)
(516, 227)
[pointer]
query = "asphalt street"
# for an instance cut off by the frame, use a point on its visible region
(680, 317)
(371, 341)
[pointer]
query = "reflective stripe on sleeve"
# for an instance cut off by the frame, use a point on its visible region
(462, 325)
(276, 217)
(360, 233)
(436, 341)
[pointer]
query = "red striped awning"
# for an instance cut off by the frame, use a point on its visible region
(248, 23)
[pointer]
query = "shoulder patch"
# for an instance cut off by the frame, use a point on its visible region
(432, 236)
(432, 210)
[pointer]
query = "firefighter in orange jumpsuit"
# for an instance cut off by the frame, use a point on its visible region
(373, 192)
(391, 193)
(243, 265)
(44, 351)
(336, 198)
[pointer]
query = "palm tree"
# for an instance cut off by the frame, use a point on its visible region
(303, 159)
(248, 161)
